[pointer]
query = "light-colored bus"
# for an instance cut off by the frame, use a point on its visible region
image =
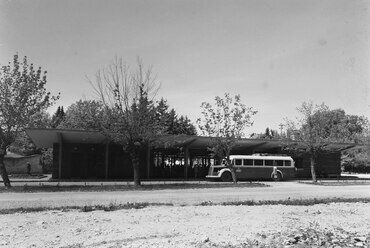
(252, 167)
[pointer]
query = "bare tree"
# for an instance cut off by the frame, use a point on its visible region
(225, 122)
(22, 96)
(127, 95)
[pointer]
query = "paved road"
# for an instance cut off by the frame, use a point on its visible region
(276, 191)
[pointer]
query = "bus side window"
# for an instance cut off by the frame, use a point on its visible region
(258, 162)
(238, 162)
(269, 162)
(288, 163)
(248, 162)
(279, 163)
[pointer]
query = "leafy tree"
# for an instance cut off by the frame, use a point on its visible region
(184, 126)
(319, 126)
(127, 95)
(41, 119)
(58, 117)
(357, 159)
(268, 134)
(46, 160)
(22, 96)
(225, 122)
(84, 114)
(22, 143)
(171, 123)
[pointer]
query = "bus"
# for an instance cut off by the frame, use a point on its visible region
(253, 167)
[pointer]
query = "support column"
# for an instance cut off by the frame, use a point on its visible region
(148, 160)
(60, 153)
(106, 162)
(186, 165)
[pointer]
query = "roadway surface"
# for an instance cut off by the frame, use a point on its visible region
(276, 191)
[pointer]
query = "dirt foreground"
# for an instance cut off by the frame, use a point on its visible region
(333, 225)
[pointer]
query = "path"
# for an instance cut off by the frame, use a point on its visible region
(277, 191)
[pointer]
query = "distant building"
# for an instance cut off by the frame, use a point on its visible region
(79, 154)
(17, 164)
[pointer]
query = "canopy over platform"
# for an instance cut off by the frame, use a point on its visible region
(45, 138)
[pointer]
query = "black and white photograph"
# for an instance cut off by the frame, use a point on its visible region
(184, 123)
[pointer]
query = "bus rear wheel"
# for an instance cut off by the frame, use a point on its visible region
(278, 177)
(226, 177)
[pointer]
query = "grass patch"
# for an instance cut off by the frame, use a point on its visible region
(338, 183)
(140, 205)
(101, 188)
(86, 208)
(288, 202)
(36, 209)
(115, 207)
(26, 176)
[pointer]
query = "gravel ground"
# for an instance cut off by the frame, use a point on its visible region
(333, 225)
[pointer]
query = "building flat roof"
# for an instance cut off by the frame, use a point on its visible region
(46, 137)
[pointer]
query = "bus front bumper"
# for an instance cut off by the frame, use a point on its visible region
(213, 176)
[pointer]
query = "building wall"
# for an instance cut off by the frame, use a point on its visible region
(19, 165)
(327, 164)
(88, 161)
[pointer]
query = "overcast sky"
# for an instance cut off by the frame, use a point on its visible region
(275, 54)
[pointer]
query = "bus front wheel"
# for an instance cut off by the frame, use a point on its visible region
(226, 177)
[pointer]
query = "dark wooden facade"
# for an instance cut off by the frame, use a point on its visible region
(96, 161)
(326, 165)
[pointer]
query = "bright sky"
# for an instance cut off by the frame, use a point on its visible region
(275, 54)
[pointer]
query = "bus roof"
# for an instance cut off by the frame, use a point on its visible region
(267, 157)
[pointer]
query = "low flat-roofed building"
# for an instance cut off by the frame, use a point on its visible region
(81, 154)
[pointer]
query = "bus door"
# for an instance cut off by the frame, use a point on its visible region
(238, 167)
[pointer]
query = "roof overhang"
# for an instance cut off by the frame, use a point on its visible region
(46, 137)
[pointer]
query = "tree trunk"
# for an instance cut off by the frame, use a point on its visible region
(313, 172)
(233, 174)
(136, 166)
(3, 172)
(231, 167)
